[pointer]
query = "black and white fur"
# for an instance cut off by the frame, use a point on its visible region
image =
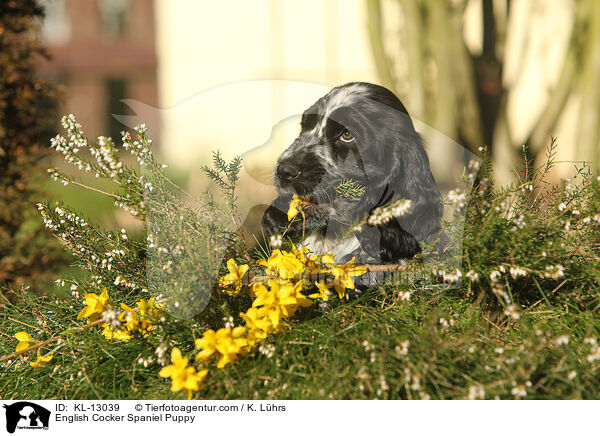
(362, 132)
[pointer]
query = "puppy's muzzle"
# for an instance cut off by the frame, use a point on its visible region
(287, 171)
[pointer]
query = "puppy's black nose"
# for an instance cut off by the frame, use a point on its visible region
(286, 171)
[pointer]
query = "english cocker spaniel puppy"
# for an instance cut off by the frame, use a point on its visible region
(358, 134)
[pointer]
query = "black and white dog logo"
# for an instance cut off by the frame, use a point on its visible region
(26, 415)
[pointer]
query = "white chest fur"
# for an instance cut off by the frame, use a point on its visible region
(319, 245)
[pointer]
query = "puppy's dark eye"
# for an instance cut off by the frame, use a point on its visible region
(346, 136)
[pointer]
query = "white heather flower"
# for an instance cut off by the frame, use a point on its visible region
(444, 323)
(384, 214)
(453, 276)
(229, 323)
(495, 275)
(473, 165)
(457, 197)
(404, 295)
(401, 207)
(473, 276)
(554, 271)
(276, 241)
(562, 207)
(267, 350)
(383, 383)
(161, 353)
(519, 223)
(402, 348)
(512, 311)
(499, 350)
(111, 317)
(416, 382)
(517, 271)
(561, 340)
(594, 354)
(476, 392)
(572, 374)
(519, 391)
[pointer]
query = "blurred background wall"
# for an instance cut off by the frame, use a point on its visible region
(103, 51)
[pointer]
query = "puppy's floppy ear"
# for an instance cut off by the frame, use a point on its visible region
(415, 181)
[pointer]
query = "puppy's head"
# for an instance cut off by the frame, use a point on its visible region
(361, 132)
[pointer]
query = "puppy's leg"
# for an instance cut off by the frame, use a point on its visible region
(387, 243)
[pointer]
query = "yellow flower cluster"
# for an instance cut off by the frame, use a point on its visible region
(184, 377)
(120, 325)
(95, 305)
(275, 299)
(26, 341)
(234, 277)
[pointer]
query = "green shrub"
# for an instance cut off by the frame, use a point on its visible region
(27, 254)
(519, 321)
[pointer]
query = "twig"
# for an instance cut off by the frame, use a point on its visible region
(312, 273)
(553, 291)
(41, 344)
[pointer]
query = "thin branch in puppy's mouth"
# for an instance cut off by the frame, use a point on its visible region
(313, 206)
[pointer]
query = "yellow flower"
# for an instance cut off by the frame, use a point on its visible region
(41, 360)
(254, 336)
(95, 305)
(230, 343)
(296, 206)
(183, 377)
(280, 301)
(258, 327)
(254, 321)
(115, 334)
(323, 293)
(207, 344)
(302, 255)
(343, 275)
(148, 309)
(25, 341)
(284, 264)
(133, 321)
(328, 259)
(234, 276)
